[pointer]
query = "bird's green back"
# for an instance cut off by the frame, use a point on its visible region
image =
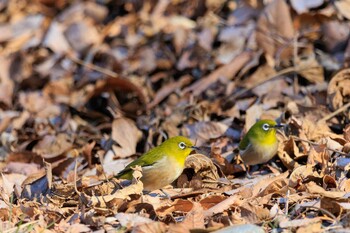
(142, 161)
(169, 147)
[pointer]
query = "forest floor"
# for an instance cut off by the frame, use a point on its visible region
(88, 86)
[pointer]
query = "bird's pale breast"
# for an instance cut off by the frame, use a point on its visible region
(160, 174)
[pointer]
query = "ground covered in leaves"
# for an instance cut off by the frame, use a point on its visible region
(88, 86)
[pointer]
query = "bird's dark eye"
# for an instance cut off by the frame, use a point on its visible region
(182, 145)
(266, 127)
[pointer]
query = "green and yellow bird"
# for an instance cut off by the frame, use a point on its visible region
(260, 143)
(162, 164)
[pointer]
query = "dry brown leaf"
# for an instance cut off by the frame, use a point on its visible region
(298, 176)
(224, 72)
(193, 220)
(253, 115)
(337, 92)
(210, 201)
(335, 33)
(22, 168)
(152, 227)
(299, 222)
(319, 155)
(135, 188)
(168, 89)
(263, 72)
(313, 188)
(275, 31)
(82, 35)
(52, 146)
(345, 185)
(203, 131)
(302, 6)
(242, 228)
(222, 206)
(262, 187)
(178, 205)
(311, 70)
(132, 220)
(126, 134)
(55, 39)
(314, 131)
(253, 212)
(6, 83)
(205, 168)
(343, 6)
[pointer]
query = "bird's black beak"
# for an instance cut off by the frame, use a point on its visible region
(279, 126)
(195, 147)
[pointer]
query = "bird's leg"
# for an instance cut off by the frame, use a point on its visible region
(274, 165)
(247, 172)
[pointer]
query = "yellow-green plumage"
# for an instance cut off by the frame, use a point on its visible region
(162, 164)
(260, 143)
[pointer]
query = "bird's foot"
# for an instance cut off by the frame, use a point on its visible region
(249, 176)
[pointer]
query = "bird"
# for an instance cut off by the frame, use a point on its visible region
(260, 143)
(162, 164)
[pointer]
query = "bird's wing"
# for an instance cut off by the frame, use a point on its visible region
(143, 161)
(244, 143)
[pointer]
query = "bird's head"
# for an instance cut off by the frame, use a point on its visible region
(264, 131)
(179, 147)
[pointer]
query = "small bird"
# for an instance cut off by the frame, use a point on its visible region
(162, 164)
(260, 143)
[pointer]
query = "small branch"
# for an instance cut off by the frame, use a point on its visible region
(75, 176)
(93, 67)
(316, 144)
(333, 114)
(273, 77)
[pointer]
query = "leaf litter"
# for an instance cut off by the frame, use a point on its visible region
(86, 87)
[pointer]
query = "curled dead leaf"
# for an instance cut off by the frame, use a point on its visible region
(338, 92)
(205, 168)
(286, 150)
(298, 175)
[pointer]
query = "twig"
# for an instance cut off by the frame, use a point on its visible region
(20, 227)
(316, 144)
(275, 76)
(93, 67)
(287, 202)
(75, 176)
(324, 211)
(333, 114)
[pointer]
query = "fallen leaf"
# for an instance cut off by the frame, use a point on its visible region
(126, 134)
(275, 22)
(52, 146)
(301, 6)
(313, 188)
(337, 94)
(343, 7)
(224, 72)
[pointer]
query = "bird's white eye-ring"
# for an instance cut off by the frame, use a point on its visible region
(266, 127)
(182, 145)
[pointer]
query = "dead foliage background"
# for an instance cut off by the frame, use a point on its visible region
(87, 86)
